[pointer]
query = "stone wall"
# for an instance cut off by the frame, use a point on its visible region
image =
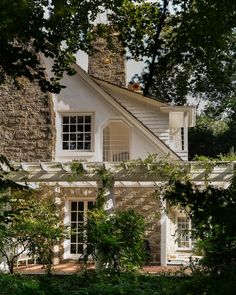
(145, 202)
(26, 122)
(106, 64)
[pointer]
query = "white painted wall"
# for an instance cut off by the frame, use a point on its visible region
(149, 113)
(80, 97)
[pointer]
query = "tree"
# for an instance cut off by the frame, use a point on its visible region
(212, 138)
(29, 224)
(45, 230)
(188, 46)
(212, 212)
(8, 243)
(57, 29)
(14, 234)
(116, 241)
(29, 221)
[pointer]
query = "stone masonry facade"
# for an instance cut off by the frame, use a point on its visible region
(142, 200)
(108, 64)
(145, 202)
(26, 122)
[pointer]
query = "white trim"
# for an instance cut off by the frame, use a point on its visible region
(163, 148)
(164, 234)
(67, 222)
(60, 131)
(119, 120)
(177, 248)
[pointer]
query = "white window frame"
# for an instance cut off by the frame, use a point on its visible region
(178, 134)
(73, 152)
(67, 242)
(180, 248)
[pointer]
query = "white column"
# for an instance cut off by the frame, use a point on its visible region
(164, 234)
(56, 259)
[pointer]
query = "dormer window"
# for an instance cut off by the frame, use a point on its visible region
(77, 132)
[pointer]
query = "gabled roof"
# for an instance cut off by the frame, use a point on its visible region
(126, 91)
(160, 144)
(138, 97)
(106, 89)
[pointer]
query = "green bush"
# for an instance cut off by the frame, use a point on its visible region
(116, 241)
(19, 285)
(113, 283)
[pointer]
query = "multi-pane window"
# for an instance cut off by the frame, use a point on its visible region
(77, 132)
(182, 138)
(184, 232)
(177, 138)
(78, 211)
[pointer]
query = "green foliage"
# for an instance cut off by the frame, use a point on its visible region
(27, 222)
(110, 283)
(202, 283)
(14, 219)
(90, 283)
(77, 168)
(116, 240)
(212, 137)
(57, 29)
(14, 202)
(158, 168)
(188, 46)
(45, 231)
(230, 157)
(212, 212)
(19, 285)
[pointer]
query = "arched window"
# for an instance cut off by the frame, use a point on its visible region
(116, 142)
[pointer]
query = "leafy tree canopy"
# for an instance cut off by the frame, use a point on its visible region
(188, 46)
(212, 137)
(56, 28)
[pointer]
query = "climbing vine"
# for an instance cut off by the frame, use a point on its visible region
(153, 167)
(77, 169)
(164, 170)
(105, 183)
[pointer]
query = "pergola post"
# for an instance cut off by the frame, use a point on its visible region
(164, 234)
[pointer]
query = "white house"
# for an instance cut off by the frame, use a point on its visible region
(96, 122)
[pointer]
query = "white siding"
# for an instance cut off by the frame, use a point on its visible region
(152, 118)
(80, 97)
(149, 115)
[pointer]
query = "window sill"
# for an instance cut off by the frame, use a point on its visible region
(189, 249)
(76, 154)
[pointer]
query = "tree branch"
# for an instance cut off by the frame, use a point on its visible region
(155, 48)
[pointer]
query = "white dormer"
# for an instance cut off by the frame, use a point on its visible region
(180, 119)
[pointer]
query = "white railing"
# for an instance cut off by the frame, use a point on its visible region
(115, 156)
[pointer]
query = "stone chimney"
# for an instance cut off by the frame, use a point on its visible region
(108, 64)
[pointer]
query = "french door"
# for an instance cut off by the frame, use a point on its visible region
(78, 210)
